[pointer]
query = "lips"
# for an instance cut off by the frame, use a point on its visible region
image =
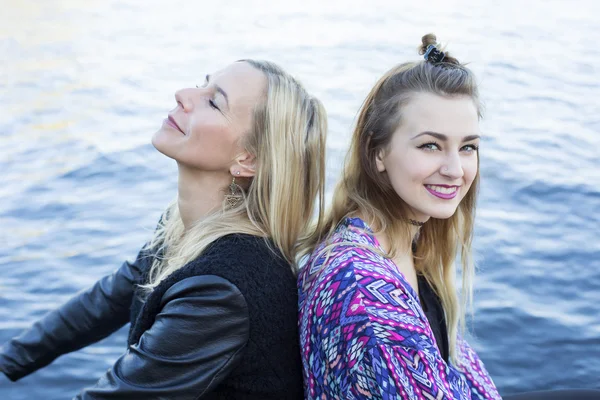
(443, 191)
(171, 122)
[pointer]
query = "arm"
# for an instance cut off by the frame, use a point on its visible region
(399, 371)
(85, 319)
(387, 350)
(197, 339)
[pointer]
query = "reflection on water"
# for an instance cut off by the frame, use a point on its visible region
(83, 85)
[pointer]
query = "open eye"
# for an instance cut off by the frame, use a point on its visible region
(431, 146)
(470, 148)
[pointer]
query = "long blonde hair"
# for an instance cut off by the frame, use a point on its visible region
(287, 139)
(364, 191)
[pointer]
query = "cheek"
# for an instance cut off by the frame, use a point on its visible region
(470, 169)
(412, 167)
(211, 145)
(407, 170)
(212, 135)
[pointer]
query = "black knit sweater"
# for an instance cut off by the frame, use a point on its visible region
(270, 366)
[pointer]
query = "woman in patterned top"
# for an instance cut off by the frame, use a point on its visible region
(379, 311)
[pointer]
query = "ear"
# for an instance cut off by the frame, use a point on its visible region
(244, 165)
(379, 161)
(380, 154)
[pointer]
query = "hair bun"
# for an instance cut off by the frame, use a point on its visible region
(427, 40)
(431, 39)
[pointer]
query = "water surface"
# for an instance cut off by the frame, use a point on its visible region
(84, 85)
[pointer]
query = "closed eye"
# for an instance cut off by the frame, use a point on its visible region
(210, 101)
(213, 105)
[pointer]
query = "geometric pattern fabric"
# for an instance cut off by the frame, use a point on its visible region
(364, 334)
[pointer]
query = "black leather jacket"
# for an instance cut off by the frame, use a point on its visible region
(201, 309)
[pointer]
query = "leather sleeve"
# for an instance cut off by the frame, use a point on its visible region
(90, 316)
(197, 339)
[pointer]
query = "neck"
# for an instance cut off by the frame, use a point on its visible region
(414, 236)
(383, 238)
(199, 193)
(416, 221)
(414, 231)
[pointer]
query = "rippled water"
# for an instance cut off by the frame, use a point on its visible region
(83, 85)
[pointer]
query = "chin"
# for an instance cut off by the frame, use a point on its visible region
(440, 212)
(160, 143)
(443, 215)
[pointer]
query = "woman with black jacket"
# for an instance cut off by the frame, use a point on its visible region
(212, 296)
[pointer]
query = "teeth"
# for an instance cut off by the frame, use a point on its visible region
(441, 189)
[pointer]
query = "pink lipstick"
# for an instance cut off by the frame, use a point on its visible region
(443, 191)
(171, 122)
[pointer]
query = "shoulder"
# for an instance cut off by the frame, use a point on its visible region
(243, 255)
(241, 248)
(251, 263)
(345, 261)
(351, 246)
(351, 271)
(365, 285)
(208, 286)
(205, 297)
(240, 259)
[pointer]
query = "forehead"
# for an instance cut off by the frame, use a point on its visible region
(243, 84)
(451, 116)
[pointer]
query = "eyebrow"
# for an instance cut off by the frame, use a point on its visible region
(444, 138)
(219, 89)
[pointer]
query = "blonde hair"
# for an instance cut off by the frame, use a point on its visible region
(287, 139)
(364, 191)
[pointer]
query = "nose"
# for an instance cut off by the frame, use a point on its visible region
(184, 97)
(452, 167)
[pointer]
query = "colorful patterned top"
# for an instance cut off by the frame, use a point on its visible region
(364, 334)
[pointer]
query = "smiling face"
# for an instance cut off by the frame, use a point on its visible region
(205, 129)
(431, 160)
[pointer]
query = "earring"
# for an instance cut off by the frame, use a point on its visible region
(235, 194)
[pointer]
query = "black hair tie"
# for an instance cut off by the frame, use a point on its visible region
(433, 55)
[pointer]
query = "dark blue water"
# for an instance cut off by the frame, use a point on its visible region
(83, 86)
